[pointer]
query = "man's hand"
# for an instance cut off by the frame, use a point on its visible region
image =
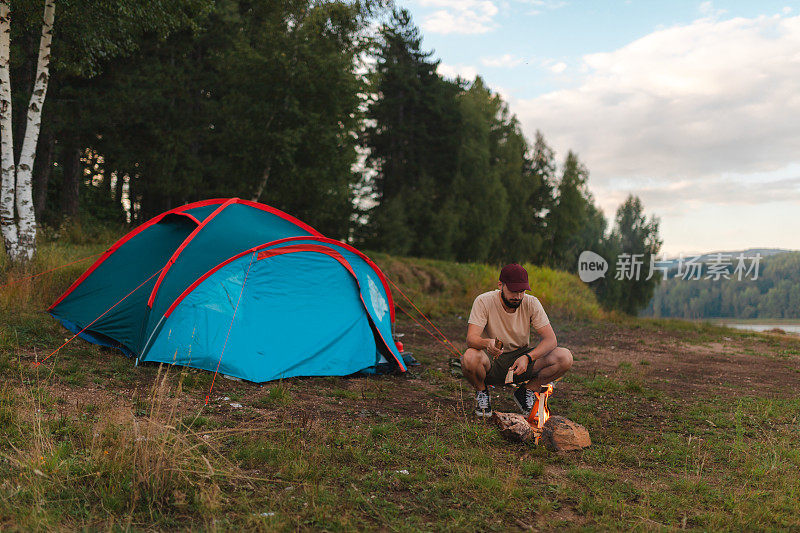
(491, 349)
(520, 365)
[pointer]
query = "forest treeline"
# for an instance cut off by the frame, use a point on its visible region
(774, 292)
(329, 110)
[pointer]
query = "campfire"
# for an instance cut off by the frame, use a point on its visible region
(540, 412)
(557, 432)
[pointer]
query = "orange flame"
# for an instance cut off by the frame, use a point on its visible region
(540, 412)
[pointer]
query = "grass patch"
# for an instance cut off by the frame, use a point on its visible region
(142, 470)
(445, 287)
(91, 442)
(278, 396)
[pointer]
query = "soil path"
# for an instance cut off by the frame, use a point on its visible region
(681, 364)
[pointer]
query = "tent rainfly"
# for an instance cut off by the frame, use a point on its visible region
(237, 287)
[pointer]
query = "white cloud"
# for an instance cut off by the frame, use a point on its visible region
(681, 196)
(544, 5)
(707, 9)
(460, 16)
(680, 110)
(504, 93)
(503, 61)
(556, 67)
(467, 72)
(549, 4)
(786, 10)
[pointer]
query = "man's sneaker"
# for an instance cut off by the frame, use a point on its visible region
(484, 403)
(524, 399)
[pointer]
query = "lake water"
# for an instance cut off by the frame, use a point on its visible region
(763, 326)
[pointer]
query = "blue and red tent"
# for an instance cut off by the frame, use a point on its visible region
(237, 287)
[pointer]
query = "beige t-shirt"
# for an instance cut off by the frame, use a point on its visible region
(514, 329)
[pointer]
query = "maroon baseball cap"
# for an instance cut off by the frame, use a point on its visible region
(515, 277)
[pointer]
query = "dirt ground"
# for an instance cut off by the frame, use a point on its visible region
(672, 361)
(680, 364)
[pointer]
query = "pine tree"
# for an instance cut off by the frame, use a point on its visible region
(482, 200)
(412, 142)
(634, 234)
(528, 182)
(574, 224)
(541, 200)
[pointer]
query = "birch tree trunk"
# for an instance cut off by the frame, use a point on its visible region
(265, 176)
(262, 184)
(8, 174)
(27, 217)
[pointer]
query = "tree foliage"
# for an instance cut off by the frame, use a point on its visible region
(775, 293)
(633, 236)
(280, 102)
(451, 172)
(255, 99)
(412, 140)
(574, 223)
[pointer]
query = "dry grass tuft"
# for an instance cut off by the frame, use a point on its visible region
(138, 468)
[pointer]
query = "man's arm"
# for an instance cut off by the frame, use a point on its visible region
(475, 341)
(546, 345)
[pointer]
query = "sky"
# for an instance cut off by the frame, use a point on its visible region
(693, 106)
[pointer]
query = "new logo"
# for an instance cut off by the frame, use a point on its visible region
(591, 266)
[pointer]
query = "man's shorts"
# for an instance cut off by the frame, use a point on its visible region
(499, 369)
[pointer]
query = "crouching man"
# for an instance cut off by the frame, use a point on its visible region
(507, 314)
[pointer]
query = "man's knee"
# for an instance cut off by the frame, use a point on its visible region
(563, 358)
(472, 359)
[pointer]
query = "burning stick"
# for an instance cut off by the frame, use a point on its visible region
(540, 413)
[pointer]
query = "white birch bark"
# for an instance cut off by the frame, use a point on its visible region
(24, 202)
(8, 174)
(265, 176)
(262, 185)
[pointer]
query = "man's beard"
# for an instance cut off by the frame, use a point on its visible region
(512, 305)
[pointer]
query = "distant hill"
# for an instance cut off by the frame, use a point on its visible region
(774, 293)
(750, 252)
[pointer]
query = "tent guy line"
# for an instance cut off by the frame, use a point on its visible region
(216, 371)
(98, 318)
(420, 324)
(10, 283)
(446, 342)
